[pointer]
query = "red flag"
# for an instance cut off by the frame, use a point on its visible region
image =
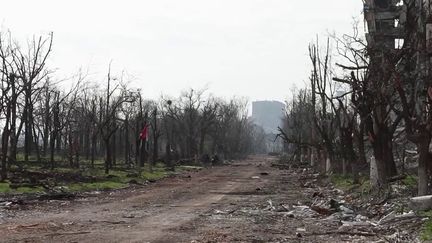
(144, 133)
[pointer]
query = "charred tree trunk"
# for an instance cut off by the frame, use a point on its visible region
(349, 153)
(137, 143)
(126, 142)
(383, 151)
(27, 136)
(202, 142)
(5, 141)
(52, 149)
(93, 150)
(87, 142)
(425, 166)
(362, 161)
(114, 149)
(36, 136)
(155, 154)
(55, 130)
(77, 151)
(47, 122)
(13, 131)
(108, 156)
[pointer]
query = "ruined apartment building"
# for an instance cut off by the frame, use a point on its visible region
(386, 20)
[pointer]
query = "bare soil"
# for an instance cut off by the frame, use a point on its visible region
(240, 202)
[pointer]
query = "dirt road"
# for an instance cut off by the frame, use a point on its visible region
(232, 203)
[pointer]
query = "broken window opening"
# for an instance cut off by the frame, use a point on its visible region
(400, 3)
(396, 23)
(382, 4)
(399, 43)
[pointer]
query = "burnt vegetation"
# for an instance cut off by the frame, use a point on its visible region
(83, 126)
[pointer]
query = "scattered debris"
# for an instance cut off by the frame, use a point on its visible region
(322, 210)
(377, 216)
(300, 232)
(348, 225)
(346, 210)
(220, 212)
(393, 217)
(302, 212)
(270, 206)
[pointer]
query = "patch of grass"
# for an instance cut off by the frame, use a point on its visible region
(160, 165)
(426, 234)
(155, 175)
(426, 231)
(425, 214)
(4, 187)
(342, 182)
(29, 189)
(410, 181)
(21, 157)
(87, 178)
(105, 185)
(118, 178)
(158, 172)
(366, 186)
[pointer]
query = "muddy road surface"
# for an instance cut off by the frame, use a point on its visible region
(241, 202)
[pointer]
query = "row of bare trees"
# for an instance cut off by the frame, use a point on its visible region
(46, 123)
(367, 101)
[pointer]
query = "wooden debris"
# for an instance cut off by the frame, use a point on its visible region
(422, 203)
(396, 178)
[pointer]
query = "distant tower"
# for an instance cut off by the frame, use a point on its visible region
(268, 114)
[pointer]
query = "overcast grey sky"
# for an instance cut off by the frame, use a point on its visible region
(252, 48)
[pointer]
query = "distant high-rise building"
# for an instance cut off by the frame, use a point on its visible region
(268, 114)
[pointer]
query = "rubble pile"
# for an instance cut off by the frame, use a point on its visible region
(386, 215)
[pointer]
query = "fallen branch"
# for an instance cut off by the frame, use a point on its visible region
(383, 200)
(396, 178)
(352, 233)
